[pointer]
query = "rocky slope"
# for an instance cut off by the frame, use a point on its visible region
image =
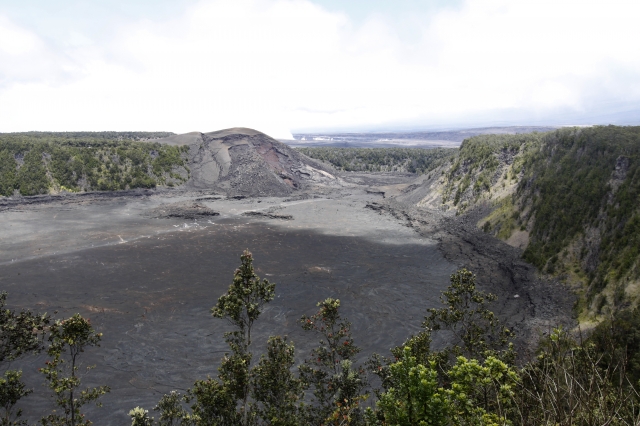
(567, 199)
(241, 161)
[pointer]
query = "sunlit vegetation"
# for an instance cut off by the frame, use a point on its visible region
(411, 160)
(481, 161)
(575, 191)
(582, 181)
(475, 379)
(38, 163)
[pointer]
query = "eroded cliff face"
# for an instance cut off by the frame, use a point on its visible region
(241, 161)
(567, 199)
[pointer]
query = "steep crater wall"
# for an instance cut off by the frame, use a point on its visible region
(567, 199)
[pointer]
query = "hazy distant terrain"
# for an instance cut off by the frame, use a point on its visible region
(426, 139)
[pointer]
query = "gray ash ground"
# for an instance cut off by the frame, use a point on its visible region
(148, 284)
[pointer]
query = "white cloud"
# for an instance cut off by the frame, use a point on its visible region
(14, 40)
(24, 57)
(282, 64)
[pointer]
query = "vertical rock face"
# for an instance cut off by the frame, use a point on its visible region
(241, 161)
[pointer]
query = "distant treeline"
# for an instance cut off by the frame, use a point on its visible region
(574, 191)
(39, 162)
(412, 160)
(82, 138)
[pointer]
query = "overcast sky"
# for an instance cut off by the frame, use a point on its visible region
(283, 66)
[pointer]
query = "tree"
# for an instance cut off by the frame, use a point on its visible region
(215, 401)
(419, 347)
(7, 173)
(172, 413)
(481, 392)
(140, 417)
(618, 339)
(475, 388)
(275, 390)
(12, 389)
(214, 404)
(329, 369)
(476, 394)
(241, 305)
(68, 339)
(21, 333)
(476, 329)
(415, 399)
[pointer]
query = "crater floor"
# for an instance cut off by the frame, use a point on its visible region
(148, 283)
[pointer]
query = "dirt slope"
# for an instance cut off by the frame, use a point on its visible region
(241, 161)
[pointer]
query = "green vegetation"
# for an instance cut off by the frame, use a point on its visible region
(582, 181)
(474, 380)
(68, 339)
(87, 138)
(415, 399)
(476, 329)
(574, 191)
(241, 306)
(38, 163)
(329, 370)
(412, 160)
(481, 162)
(21, 334)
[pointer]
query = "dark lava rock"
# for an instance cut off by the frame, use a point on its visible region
(375, 207)
(190, 211)
(268, 215)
